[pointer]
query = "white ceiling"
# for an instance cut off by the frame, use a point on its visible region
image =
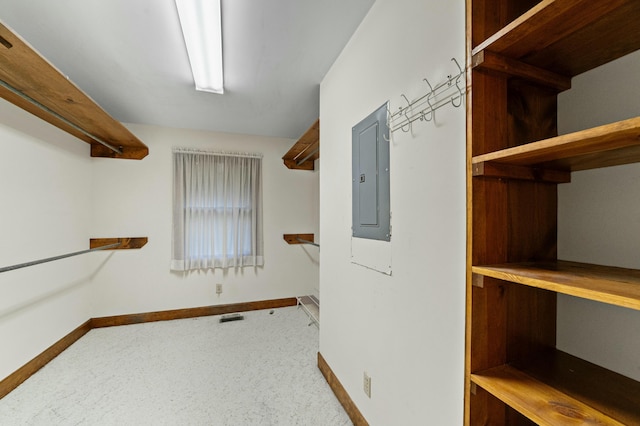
(129, 56)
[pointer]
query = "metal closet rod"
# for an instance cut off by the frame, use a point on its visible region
(51, 259)
(58, 116)
(307, 242)
(308, 156)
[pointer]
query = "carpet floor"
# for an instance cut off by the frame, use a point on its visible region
(258, 371)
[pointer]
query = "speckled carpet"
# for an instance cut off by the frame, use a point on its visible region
(259, 371)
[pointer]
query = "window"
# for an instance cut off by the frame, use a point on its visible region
(217, 210)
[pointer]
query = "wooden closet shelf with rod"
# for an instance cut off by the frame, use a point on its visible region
(30, 82)
(94, 244)
(305, 151)
(300, 239)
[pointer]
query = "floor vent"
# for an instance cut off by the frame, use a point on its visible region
(231, 317)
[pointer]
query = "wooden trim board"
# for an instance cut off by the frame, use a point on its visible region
(191, 312)
(23, 373)
(347, 403)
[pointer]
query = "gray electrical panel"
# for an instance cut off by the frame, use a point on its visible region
(370, 177)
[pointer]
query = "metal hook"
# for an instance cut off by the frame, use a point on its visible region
(460, 96)
(460, 90)
(453, 101)
(458, 65)
(430, 86)
(431, 113)
(408, 125)
(432, 93)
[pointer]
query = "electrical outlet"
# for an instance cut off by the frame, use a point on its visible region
(218, 288)
(367, 384)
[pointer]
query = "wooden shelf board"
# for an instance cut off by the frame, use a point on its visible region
(607, 284)
(126, 243)
(293, 238)
(28, 72)
(569, 37)
(307, 146)
(559, 389)
(608, 145)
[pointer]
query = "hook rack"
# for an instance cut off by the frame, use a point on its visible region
(424, 108)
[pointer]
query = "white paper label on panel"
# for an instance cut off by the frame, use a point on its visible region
(372, 254)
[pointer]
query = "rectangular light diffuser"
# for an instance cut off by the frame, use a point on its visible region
(202, 30)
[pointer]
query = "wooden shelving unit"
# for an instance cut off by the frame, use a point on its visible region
(520, 55)
(35, 85)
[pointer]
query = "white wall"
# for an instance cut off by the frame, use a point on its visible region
(133, 198)
(56, 197)
(45, 182)
(599, 219)
(405, 330)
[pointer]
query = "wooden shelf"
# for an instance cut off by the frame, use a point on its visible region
(305, 151)
(126, 243)
(607, 284)
(609, 145)
(24, 69)
(295, 238)
(560, 389)
(569, 37)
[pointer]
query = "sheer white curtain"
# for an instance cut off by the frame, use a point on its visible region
(217, 210)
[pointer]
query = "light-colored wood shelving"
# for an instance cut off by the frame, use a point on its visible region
(615, 286)
(33, 77)
(569, 37)
(559, 389)
(603, 146)
(520, 55)
(539, 402)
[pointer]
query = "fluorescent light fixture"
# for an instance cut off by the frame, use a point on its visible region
(202, 30)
